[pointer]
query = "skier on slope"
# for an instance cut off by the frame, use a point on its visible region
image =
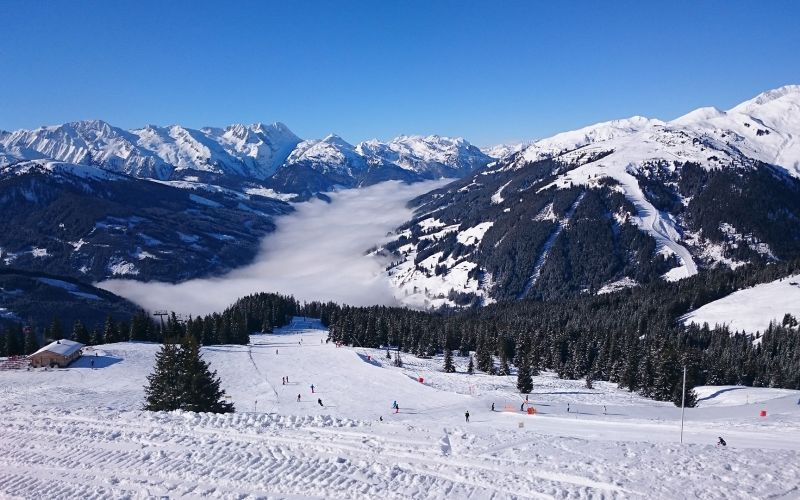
(721, 442)
(319, 400)
(394, 405)
(298, 398)
(466, 415)
(492, 406)
(312, 388)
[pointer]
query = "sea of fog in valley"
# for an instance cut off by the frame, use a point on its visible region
(316, 253)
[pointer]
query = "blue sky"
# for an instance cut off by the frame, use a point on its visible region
(488, 71)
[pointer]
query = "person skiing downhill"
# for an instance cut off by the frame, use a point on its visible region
(312, 388)
(298, 398)
(466, 415)
(319, 400)
(492, 406)
(394, 404)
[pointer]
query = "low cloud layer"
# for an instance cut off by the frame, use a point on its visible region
(316, 253)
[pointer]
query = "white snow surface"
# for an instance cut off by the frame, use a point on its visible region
(473, 235)
(79, 432)
(751, 310)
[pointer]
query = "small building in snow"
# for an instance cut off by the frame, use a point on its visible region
(59, 353)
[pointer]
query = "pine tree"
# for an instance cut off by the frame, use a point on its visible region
(397, 361)
(449, 367)
(56, 330)
(471, 365)
(163, 390)
(97, 337)
(138, 331)
(505, 369)
(524, 378)
(200, 387)
(80, 333)
(14, 343)
(110, 332)
(31, 345)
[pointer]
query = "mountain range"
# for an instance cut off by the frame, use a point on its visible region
(269, 155)
(610, 206)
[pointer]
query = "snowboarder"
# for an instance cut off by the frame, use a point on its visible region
(298, 398)
(492, 406)
(466, 415)
(319, 400)
(312, 388)
(721, 442)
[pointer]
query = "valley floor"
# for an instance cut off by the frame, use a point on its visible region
(79, 433)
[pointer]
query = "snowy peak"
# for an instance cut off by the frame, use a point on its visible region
(593, 134)
(785, 97)
(431, 156)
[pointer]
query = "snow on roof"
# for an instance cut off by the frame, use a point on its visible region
(63, 347)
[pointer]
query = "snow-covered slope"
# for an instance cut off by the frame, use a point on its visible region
(752, 309)
(664, 178)
(79, 432)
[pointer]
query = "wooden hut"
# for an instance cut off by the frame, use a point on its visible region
(59, 353)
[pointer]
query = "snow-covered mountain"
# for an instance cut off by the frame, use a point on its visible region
(90, 223)
(243, 153)
(431, 157)
(612, 205)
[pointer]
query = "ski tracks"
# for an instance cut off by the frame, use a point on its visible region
(137, 455)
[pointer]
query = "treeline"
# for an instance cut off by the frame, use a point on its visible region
(632, 337)
(261, 312)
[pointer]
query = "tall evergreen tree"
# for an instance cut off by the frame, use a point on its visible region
(31, 345)
(200, 387)
(14, 342)
(56, 330)
(471, 365)
(110, 331)
(80, 333)
(449, 367)
(524, 378)
(163, 390)
(96, 337)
